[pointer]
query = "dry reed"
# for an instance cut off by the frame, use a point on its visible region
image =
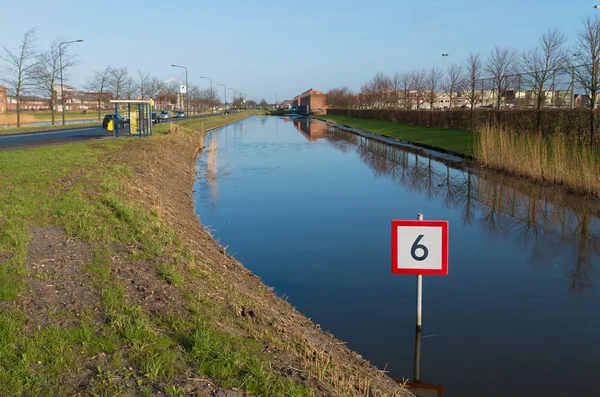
(11, 118)
(211, 159)
(551, 160)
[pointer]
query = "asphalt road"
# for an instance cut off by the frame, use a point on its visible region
(64, 135)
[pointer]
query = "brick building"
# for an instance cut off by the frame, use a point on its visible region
(3, 99)
(311, 102)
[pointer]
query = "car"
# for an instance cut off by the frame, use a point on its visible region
(155, 118)
(165, 114)
(180, 115)
(109, 117)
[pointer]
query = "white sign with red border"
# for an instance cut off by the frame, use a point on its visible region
(420, 247)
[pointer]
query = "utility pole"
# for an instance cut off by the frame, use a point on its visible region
(225, 95)
(232, 89)
(62, 90)
(445, 79)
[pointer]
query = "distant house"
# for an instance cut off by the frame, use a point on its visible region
(287, 104)
(80, 100)
(582, 101)
(311, 102)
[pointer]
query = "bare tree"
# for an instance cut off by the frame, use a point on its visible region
(539, 66)
(378, 88)
(433, 84)
(419, 80)
(500, 65)
(118, 81)
(19, 65)
(142, 84)
(153, 87)
(588, 75)
(395, 86)
(406, 84)
(454, 79)
(98, 84)
(471, 82)
(341, 98)
(264, 104)
(129, 88)
(167, 95)
(46, 73)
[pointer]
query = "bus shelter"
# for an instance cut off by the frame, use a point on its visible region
(140, 122)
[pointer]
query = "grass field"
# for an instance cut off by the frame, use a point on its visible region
(72, 188)
(454, 140)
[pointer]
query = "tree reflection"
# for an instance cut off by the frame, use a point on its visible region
(550, 221)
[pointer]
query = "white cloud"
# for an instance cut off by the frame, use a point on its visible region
(171, 80)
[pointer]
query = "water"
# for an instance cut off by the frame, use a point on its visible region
(308, 208)
(48, 123)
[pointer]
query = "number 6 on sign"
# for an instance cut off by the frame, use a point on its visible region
(420, 247)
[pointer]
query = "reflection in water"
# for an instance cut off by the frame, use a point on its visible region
(312, 130)
(550, 221)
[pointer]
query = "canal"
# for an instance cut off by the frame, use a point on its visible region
(308, 208)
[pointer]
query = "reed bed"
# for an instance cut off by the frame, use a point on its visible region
(212, 164)
(551, 160)
(11, 118)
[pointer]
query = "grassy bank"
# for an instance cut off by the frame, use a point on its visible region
(109, 285)
(454, 140)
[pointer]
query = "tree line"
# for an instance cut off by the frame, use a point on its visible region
(534, 69)
(27, 70)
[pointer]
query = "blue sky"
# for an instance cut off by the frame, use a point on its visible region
(284, 47)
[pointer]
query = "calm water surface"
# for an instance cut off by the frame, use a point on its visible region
(308, 208)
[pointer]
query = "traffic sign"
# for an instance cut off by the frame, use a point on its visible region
(420, 247)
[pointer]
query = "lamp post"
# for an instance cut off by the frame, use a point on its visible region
(186, 87)
(445, 79)
(211, 92)
(234, 91)
(225, 95)
(62, 91)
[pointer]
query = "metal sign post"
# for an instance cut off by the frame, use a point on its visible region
(421, 248)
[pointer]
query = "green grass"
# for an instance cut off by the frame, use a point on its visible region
(455, 140)
(72, 187)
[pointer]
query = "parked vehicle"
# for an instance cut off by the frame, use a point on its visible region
(180, 115)
(155, 118)
(109, 117)
(165, 114)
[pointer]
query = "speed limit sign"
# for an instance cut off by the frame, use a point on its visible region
(420, 247)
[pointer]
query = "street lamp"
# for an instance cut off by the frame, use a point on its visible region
(225, 95)
(186, 88)
(62, 91)
(234, 91)
(211, 92)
